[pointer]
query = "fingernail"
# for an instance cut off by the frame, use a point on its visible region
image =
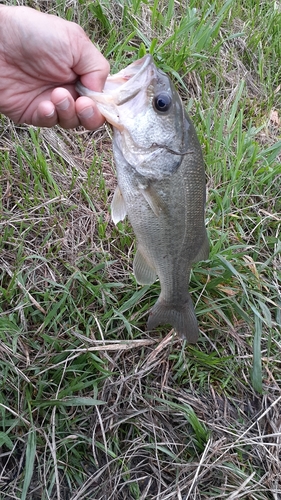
(87, 112)
(51, 114)
(63, 105)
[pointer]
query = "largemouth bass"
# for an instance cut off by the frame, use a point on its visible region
(161, 185)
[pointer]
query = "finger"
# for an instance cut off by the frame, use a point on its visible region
(45, 115)
(88, 113)
(96, 78)
(65, 108)
(89, 63)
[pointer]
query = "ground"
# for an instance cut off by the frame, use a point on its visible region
(91, 405)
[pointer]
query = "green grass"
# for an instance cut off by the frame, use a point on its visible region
(91, 406)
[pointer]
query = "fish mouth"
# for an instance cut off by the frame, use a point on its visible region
(121, 87)
(129, 81)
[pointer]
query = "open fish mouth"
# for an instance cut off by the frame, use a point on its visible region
(121, 87)
(129, 81)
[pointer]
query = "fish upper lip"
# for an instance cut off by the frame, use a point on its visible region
(131, 85)
(120, 88)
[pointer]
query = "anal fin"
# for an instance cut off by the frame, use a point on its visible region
(144, 273)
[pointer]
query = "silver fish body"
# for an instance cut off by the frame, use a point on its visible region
(161, 186)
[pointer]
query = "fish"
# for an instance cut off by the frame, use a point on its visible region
(161, 186)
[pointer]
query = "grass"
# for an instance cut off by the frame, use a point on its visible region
(91, 406)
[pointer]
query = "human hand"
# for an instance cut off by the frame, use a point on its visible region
(41, 58)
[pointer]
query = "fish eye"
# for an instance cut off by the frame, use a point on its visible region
(162, 102)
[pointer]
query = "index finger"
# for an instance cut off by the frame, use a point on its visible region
(88, 113)
(91, 65)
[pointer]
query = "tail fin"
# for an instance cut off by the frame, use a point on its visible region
(182, 318)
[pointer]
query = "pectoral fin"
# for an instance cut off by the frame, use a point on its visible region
(144, 273)
(153, 199)
(118, 208)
